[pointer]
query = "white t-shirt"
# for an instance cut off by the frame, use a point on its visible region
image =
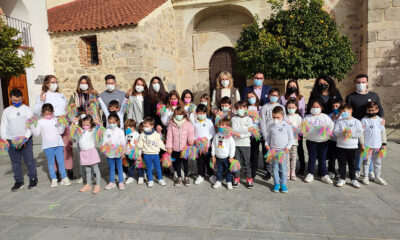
(51, 132)
(373, 128)
(115, 137)
(203, 129)
(294, 120)
(13, 122)
(356, 129)
(315, 123)
(56, 99)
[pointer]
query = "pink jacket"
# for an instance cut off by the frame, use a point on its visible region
(179, 137)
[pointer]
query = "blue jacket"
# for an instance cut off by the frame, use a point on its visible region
(264, 93)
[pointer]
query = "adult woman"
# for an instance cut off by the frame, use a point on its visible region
(254, 109)
(156, 94)
(324, 89)
(50, 94)
(224, 88)
(136, 97)
(84, 93)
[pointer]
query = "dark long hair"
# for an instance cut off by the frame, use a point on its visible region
(287, 95)
(332, 86)
(145, 89)
(159, 96)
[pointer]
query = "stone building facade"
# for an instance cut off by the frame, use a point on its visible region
(179, 38)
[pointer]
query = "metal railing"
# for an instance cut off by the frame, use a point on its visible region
(21, 26)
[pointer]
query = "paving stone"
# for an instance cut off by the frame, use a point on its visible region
(177, 236)
(90, 212)
(302, 206)
(329, 195)
(101, 233)
(375, 208)
(156, 215)
(389, 229)
(311, 225)
(129, 209)
(59, 233)
(22, 231)
(230, 220)
(269, 223)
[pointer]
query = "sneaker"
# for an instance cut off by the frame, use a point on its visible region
(326, 179)
(276, 188)
(309, 178)
(121, 186)
(150, 184)
(85, 188)
(130, 180)
(365, 181)
(186, 181)
(267, 176)
(199, 180)
(229, 186)
(284, 188)
(293, 175)
(236, 182)
(340, 183)
(357, 174)
(331, 175)
(213, 179)
(65, 182)
(17, 186)
(250, 183)
(54, 183)
(33, 183)
(175, 178)
(371, 176)
(355, 183)
(178, 182)
(110, 185)
(217, 184)
(80, 180)
(380, 181)
(124, 175)
(96, 189)
(140, 180)
(162, 182)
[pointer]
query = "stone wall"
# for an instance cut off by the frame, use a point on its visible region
(384, 55)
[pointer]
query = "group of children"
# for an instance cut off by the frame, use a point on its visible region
(228, 134)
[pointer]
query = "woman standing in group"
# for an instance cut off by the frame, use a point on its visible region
(84, 93)
(224, 88)
(324, 89)
(136, 97)
(156, 94)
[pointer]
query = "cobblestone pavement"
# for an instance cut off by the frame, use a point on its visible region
(308, 211)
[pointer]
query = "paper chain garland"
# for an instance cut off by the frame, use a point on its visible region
(202, 145)
(192, 108)
(189, 153)
(32, 121)
(213, 165)
(323, 131)
(367, 153)
(111, 149)
(75, 132)
(161, 109)
(275, 155)
(71, 112)
(98, 133)
(166, 160)
(132, 152)
(255, 133)
(93, 108)
(4, 146)
(227, 132)
(140, 164)
(347, 134)
(18, 142)
(254, 116)
(234, 166)
(382, 153)
(63, 121)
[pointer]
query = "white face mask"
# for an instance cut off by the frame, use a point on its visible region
(204, 103)
(110, 87)
(147, 129)
(277, 121)
(225, 83)
(139, 88)
(53, 87)
(361, 87)
(156, 87)
(315, 111)
(83, 87)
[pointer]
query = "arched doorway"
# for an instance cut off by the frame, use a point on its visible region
(224, 59)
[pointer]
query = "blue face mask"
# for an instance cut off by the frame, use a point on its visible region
(128, 131)
(336, 111)
(18, 104)
(345, 115)
(273, 99)
(258, 82)
(252, 101)
(112, 126)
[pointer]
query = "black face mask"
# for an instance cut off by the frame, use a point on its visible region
(113, 112)
(370, 115)
(323, 87)
(291, 90)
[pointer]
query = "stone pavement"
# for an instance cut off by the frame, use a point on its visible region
(308, 211)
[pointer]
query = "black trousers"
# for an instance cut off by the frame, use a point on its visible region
(203, 164)
(347, 157)
(331, 156)
(254, 156)
(300, 153)
(178, 164)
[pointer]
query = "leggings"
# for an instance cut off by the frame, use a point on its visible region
(96, 170)
(178, 164)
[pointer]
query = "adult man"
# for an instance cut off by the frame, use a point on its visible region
(259, 88)
(112, 93)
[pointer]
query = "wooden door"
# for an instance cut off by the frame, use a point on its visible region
(224, 59)
(20, 83)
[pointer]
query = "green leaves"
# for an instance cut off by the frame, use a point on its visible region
(301, 42)
(11, 62)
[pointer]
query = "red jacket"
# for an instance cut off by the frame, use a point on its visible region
(179, 137)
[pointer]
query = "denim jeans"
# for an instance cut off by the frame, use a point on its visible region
(16, 156)
(111, 164)
(152, 161)
(280, 172)
(131, 169)
(52, 154)
(223, 167)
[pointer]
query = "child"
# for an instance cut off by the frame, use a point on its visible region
(150, 144)
(224, 111)
(223, 152)
(294, 120)
(187, 99)
(266, 120)
(279, 138)
(89, 157)
(254, 106)
(180, 133)
(347, 131)
(132, 138)
(332, 149)
(375, 139)
(241, 134)
(206, 100)
(317, 144)
(113, 107)
(172, 104)
(114, 136)
(81, 112)
(52, 143)
(13, 125)
(203, 128)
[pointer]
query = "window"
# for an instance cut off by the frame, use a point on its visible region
(92, 54)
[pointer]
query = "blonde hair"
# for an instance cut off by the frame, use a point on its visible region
(228, 75)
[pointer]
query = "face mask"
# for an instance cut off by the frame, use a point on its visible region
(83, 87)
(48, 117)
(156, 87)
(292, 90)
(371, 115)
(336, 111)
(204, 103)
(240, 112)
(277, 121)
(361, 87)
(86, 127)
(178, 117)
(345, 115)
(113, 125)
(258, 82)
(225, 109)
(225, 83)
(291, 111)
(110, 87)
(53, 87)
(128, 131)
(173, 102)
(273, 99)
(147, 129)
(315, 111)
(201, 117)
(252, 100)
(139, 88)
(323, 87)
(188, 100)
(17, 104)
